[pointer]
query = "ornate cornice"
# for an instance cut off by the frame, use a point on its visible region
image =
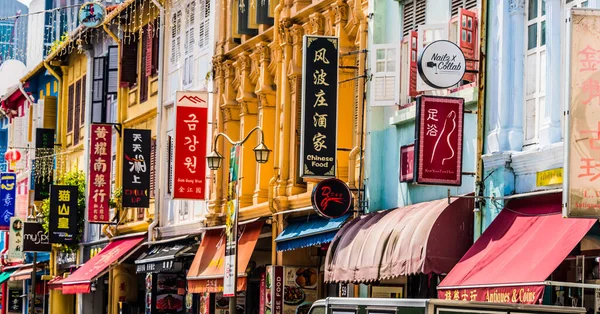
(340, 12)
(516, 6)
(284, 31)
(317, 24)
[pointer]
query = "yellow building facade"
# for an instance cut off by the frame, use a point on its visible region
(258, 83)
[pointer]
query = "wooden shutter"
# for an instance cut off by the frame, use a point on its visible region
(77, 113)
(468, 40)
(155, 47)
(413, 48)
(149, 49)
(385, 75)
(408, 21)
(144, 78)
(152, 167)
(170, 161)
(98, 89)
(462, 4)
(420, 9)
(129, 67)
(49, 112)
(83, 99)
(70, 108)
(112, 71)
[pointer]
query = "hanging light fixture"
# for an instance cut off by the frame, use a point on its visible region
(214, 160)
(261, 153)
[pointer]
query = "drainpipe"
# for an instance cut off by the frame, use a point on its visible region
(351, 166)
(159, 115)
(479, 185)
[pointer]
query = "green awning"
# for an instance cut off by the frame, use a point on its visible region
(4, 276)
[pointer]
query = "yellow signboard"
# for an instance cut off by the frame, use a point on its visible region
(549, 177)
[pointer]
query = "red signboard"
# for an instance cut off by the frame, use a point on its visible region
(407, 163)
(331, 198)
(100, 173)
(191, 121)
(277, 290)
(439, 134)
(517, 294)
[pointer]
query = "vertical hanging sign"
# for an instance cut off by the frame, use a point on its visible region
(581, 191)
(8, 195)
(64, 218)
(15, 239)
(229, 283)
(439, 134)
(44, 163)
(136, 168)
(318, 145)
(99, 173)
(191, 123)
(35, 238)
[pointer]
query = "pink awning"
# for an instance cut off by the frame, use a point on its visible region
(428, 237)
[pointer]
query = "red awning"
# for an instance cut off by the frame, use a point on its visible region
(80, 281)
(14, 100)
(207, 270)
(55, 283)
(428, 237)
(22, 273)
(517, 253)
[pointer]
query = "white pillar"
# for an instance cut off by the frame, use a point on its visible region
(517, 38)
(550, 130)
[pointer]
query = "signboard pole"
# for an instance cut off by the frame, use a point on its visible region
(231, 250)
(567, 126)
(33, 283)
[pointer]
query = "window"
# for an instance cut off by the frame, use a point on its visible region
(75, 108)
(204, 24)
(83, 96)
(146, 49)
(317, 310)
(462, 4)
(176, 21)
(152, 167)
(129, 55)
(577, 3)
(188, 50)
(535, 67)
(385, 75)
(414, 15)
(170, 149)
(77, 113)
(70, 108)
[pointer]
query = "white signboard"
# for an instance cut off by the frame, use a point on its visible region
(441, 64)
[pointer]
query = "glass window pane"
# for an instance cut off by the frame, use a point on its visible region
(470, 23)
(380, 67)
(543, 7)
(543, 39)
(391, 66)
(391, 54)
(464, 21)
(532, 36)
(464, 35)
(470, 37)
(584, 4)
(532, 9)
(380, 54)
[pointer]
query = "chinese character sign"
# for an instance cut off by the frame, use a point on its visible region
(64, 217)
(15, 239)
(44, 163)
(439, 134)
(581, 188)
(407, 163)
(136, 168)
(318, 144)
(8, 195)
(99, 173)
(191, 123)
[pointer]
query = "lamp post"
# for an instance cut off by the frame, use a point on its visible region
(36, 216)
(214, 160)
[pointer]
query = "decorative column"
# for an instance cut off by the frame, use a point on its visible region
(230, 115)
(517, 40)
(248, 120)
(551, 129)
(217, 177)
(283, 89)
(265, 90)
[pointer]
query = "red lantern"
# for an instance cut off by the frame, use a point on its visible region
(12, 155)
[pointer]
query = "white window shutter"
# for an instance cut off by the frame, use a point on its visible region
(385, 86)
(428, 33)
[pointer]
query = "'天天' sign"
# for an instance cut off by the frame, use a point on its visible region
(136, 168)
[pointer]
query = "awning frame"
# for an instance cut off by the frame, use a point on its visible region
(541, 283)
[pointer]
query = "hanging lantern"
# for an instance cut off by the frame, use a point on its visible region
(12, 155)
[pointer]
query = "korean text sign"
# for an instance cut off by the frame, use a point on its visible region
(100, 173)
(64, 217)
(439, 134)
(136, 168)
(8, 197)
(190, 145)
(318, 143)
(581, 190)
(44, 144)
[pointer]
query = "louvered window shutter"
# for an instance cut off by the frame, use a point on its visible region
(468, 40)
(174, 38)
(385, 75)
(83, 99)
(408, 17)
(413, 48)
(170, 152)
(463, 4)
(70, 108)
(129, 55)
(112, 74)
(155, 47)
(77, 113)
(152, 167)
(149, 49)
(98, 88)
(144, 79)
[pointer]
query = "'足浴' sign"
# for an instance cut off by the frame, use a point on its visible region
(189, 165)
(99, 173)
(581, 188)
(318, 143)
(439, 134)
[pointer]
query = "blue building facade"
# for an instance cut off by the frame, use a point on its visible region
(13, 31)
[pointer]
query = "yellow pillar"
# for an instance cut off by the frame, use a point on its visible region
(122, 287)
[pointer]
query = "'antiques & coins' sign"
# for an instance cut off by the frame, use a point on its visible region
(318, 143)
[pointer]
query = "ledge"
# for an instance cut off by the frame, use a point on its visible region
(532, 161)
(496, 160)
(133, 227)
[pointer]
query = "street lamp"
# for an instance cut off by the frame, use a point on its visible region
(214, 160)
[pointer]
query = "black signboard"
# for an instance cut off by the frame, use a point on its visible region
(161, 258)
(64, 216)
(44, 144)
(136, 168)
(66, 260)
(35, 239)
(15, 302)
(318, 143)
(331, 198)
